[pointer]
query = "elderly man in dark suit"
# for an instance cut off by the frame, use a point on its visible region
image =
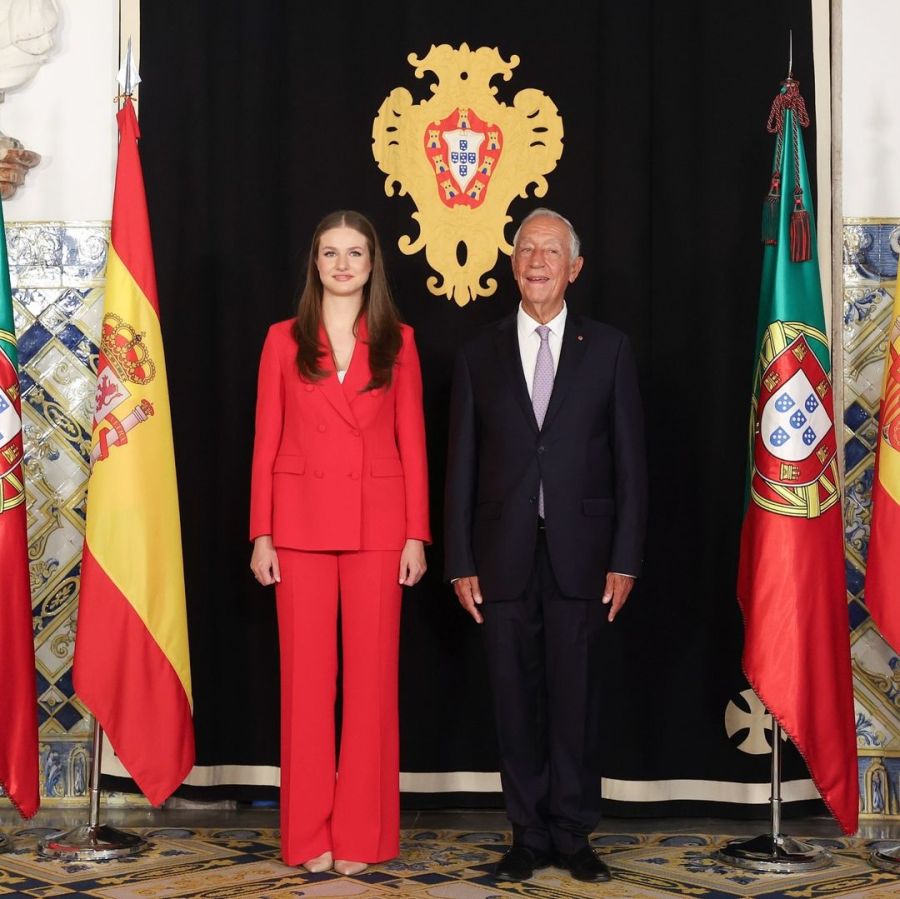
(546, 501)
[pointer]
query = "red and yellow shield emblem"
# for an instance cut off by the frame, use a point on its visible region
(794, 441)
(464, 152)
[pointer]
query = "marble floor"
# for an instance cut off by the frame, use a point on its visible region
(187, 814)
(223, 851)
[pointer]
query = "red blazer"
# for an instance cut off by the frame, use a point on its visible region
(336, 468)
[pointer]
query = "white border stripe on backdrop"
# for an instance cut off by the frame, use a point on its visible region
(489, 782)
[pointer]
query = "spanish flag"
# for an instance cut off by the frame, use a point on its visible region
(18, 703)
(882, 582)
(132, 668)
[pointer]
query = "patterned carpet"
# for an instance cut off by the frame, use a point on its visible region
(444, 864)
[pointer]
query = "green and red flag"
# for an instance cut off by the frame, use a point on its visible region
(132, 667)
(18, 700)
(791, 585)
(882, 582)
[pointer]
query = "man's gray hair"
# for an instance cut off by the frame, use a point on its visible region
(574, 241)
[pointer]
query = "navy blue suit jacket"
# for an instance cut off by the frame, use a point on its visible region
(589, 454)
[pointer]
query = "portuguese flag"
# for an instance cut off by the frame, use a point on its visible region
(791, 586)
(18, 700)
(882, 581)
(132, 668)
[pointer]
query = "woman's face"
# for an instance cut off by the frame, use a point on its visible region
(343, 261)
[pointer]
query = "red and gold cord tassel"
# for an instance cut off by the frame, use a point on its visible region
(801, 242)
(789, 98)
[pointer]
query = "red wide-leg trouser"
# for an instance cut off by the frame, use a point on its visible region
(351, 807)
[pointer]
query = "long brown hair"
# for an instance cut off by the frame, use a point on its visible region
(378, 307)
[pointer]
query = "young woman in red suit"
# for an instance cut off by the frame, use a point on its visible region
(339, 518)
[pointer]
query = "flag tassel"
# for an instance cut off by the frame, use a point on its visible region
(801, 242)
(770, 211)
(787, 100)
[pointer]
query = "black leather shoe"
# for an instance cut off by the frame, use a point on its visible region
(519, 863)
(584, 865)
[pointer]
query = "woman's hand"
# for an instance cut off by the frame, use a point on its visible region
(412, 562)
(264, 561)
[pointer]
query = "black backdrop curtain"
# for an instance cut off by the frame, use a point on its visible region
(257, 121)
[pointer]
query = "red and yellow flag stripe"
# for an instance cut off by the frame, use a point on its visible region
(882, 583)
(18, 703)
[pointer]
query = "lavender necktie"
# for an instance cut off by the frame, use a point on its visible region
(541, 389)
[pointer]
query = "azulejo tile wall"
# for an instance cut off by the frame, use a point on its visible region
(870, 251)
(57, 274)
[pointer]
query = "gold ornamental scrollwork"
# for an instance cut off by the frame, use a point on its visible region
(463, 157)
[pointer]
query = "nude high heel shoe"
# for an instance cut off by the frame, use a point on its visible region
(349, 869)
(319, 864)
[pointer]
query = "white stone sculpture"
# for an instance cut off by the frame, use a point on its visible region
(26, 41)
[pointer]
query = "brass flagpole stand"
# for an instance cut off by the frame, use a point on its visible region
(774, 853)
(94, 842)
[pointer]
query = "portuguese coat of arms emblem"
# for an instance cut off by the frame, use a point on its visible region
(463, 157)
(795, 445)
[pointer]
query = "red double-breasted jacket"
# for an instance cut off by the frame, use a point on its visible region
(337, 467)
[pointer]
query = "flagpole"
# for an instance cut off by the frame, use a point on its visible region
(774, 853)
(94, 842)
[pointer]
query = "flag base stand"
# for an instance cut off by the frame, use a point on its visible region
(92, 842)
(774, 853)
(98, 843)
(887, 859)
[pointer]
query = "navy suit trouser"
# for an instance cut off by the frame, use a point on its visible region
(543, 660)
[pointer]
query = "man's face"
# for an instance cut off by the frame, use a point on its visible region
(542, 266)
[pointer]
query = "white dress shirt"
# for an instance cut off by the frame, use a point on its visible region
(530, 341)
